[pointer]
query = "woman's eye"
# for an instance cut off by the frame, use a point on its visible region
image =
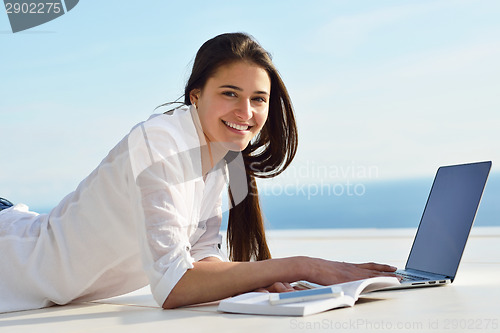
(229, 93)
(260, 99)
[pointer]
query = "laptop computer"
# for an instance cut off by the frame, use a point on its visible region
(445, 225)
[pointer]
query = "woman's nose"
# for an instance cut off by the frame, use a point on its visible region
(244, 110)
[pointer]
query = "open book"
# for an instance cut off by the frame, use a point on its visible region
(258, 303)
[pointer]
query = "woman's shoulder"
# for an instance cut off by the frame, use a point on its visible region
(162, 136)
(175, 125)
(171, 119)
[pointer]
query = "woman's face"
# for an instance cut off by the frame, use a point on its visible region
(234, 104)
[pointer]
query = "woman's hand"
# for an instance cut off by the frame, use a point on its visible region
(277, 287)
(327, 272)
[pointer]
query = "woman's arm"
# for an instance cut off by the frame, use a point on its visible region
(212, 280)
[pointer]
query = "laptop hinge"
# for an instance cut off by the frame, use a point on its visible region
(429, 274)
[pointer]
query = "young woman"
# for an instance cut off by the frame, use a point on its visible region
(151, 211)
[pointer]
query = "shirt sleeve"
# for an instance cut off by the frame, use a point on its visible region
(210, 243)
(168, 223)
(167, 178)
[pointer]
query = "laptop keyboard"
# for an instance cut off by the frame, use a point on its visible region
(410, 277)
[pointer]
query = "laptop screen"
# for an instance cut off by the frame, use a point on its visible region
(447, 218)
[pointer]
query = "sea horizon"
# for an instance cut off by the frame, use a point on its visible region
(379, 204)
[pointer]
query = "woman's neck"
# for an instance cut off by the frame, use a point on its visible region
(211, 154)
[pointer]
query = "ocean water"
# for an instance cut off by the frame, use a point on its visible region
(376, 204)
(382, 204)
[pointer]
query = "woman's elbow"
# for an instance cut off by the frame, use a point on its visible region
(172, 302)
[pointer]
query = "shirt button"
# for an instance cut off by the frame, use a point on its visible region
(187, 248)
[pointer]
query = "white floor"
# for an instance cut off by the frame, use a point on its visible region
(469, 304)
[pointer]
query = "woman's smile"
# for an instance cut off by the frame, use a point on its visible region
(237, 127)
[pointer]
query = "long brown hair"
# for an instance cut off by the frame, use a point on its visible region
(267, 155)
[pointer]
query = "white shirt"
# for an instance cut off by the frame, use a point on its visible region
(145, 214)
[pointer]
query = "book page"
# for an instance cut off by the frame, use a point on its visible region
(355, 288)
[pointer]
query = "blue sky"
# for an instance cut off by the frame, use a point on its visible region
(382, 89)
